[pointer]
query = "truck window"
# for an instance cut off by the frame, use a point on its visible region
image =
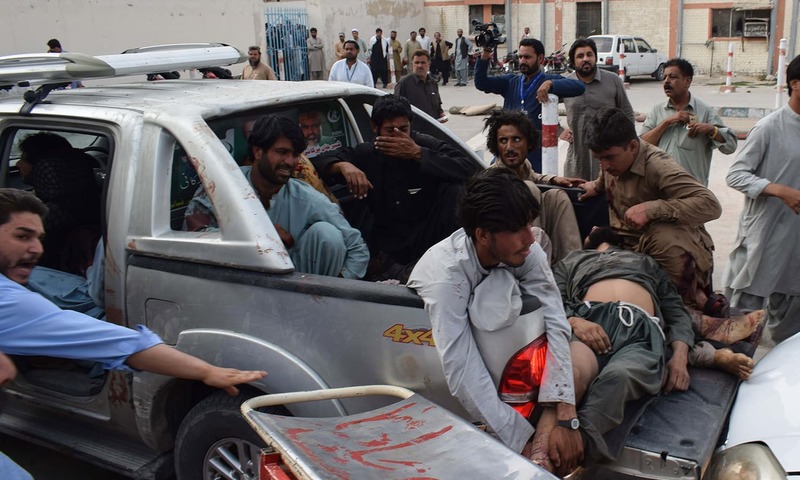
(66, 170)
(629, 45)
(323, 123)
(183, 185)
(643, 46)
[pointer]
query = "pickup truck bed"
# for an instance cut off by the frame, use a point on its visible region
(677, 433)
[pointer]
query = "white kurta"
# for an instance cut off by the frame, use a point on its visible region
(446, 278)
(358, 73)
(765, 257)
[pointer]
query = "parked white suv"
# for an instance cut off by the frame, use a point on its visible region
(640, 57)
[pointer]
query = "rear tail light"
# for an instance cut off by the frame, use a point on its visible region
(272, 467)
(609, 60)
(522, 377)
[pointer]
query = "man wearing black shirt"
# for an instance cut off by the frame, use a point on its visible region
(419, 89)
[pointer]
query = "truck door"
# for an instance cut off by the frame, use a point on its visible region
(646, 57)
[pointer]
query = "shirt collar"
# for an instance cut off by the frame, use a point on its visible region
(638, 164)
(692, 105)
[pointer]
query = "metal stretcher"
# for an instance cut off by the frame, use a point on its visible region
(412, 438)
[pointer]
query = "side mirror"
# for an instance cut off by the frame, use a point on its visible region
(654, 50)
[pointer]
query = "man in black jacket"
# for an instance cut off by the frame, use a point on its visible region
(410, 183)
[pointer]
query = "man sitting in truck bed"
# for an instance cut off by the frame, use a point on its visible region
(470, 280)
(410, 183)
(624, 307)
(656, 206)
(315, 233)
(511, 136)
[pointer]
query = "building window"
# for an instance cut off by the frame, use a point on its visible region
(499, 17)
(475, 15)
(727, 22)
(590, 17)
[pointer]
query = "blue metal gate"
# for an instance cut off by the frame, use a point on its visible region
(287, 51)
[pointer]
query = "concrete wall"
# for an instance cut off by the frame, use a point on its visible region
(110, 26)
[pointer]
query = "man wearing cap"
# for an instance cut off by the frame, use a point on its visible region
(255, 68)
(338, 47)
(528, 89)
(350, 68)
(362, 46)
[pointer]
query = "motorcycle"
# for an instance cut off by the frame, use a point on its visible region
(510, 63)
(557, 62)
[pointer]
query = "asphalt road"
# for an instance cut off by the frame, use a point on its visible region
(44, 464)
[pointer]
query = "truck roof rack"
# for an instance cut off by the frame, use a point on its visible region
(53, 70)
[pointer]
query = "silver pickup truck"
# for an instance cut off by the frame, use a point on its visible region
(232, 297)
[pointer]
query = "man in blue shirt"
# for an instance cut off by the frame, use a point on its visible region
(31, 325)
(315, 233)
(528, 89)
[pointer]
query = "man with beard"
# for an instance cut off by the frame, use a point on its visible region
(255, 68)
(603, 89)
(318, 238)
(510, 137)
(31, 325)
(528, 89)
(424, 42)
(351, 69)
(686, 127)
(462, 49)
(378, 53)
(316, 57)
(473, 281)
(397, 56)
(412, 45)
(420, 89)
(440, 57)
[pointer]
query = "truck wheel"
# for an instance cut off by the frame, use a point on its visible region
(659, 73)
(215, 442)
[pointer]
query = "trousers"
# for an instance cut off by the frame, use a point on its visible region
(634, 368)
(320, 250)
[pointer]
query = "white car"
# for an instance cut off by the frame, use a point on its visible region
(640, 57)
(764, 433)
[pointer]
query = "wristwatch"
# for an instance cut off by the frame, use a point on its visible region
(572, 423)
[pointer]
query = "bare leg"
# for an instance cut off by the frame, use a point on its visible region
(584, 370)
(734, 363)
(727, 330)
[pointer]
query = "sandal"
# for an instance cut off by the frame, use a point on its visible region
(717, 305)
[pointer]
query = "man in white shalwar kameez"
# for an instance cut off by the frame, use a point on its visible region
(765, 260)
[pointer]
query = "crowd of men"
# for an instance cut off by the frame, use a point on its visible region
(625, 312)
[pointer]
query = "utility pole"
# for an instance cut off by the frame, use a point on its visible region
(509, 28)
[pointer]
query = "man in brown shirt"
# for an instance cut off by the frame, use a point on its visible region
(655, 205)
(255, 68)
(338, 47)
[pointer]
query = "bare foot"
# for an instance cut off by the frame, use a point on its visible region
(734, 363)
(730, 330)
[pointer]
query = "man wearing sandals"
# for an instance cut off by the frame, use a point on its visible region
(656, 207)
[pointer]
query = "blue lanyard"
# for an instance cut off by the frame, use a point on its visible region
(348, 72)
(528, 90)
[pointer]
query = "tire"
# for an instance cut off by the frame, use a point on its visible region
(659, 73)
(215, 426)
